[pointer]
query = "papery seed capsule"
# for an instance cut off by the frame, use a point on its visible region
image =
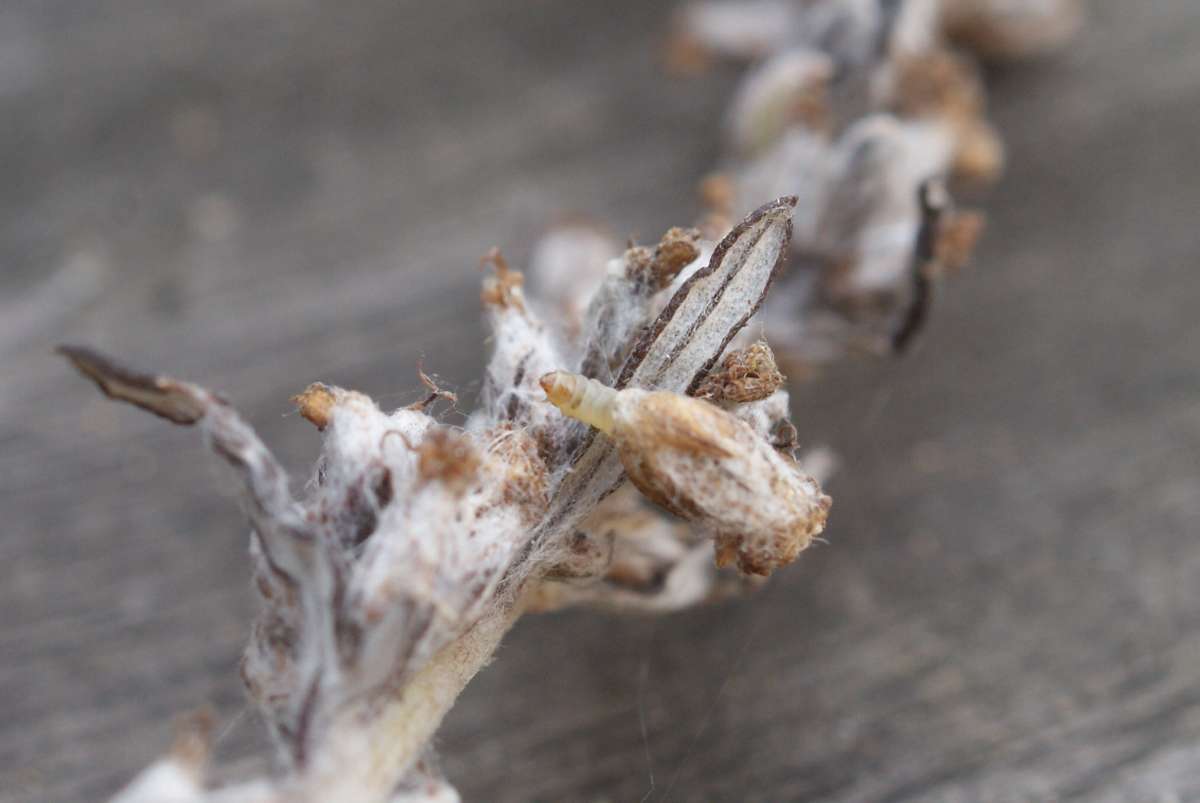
(704, 464)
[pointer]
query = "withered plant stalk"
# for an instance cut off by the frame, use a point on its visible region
(417, 545)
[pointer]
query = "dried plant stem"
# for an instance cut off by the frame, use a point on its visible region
(367, 752)
(390, 583)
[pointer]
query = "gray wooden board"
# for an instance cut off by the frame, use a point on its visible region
(255, 195)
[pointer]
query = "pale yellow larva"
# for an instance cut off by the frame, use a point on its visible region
(581, 398)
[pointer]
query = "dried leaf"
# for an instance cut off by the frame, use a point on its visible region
(277, 518)
(168, 398)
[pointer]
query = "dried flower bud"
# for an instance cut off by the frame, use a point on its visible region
(944, 86)
(726, 29)
(316, 404)
(504, 289)
(1011, 28)
(935, 84)
(872, 214)
(677, 249)
(567, 264)
(788, 89)
(704, 464)
(745, 375)
(525, 348)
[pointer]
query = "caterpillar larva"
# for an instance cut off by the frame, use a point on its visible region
(581, 398)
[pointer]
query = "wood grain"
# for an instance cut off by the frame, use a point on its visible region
(256, 195)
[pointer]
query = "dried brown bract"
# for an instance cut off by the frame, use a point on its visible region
(315, 404)
(677, 249)
(745, 375)
(503, 289)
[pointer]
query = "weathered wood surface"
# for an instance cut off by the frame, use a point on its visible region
(258, 194)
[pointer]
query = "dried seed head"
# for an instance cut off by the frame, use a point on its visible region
(937, 83)
(503, 289)
(316, 404)
(871, 215)
(677, 249)
(654, 269)
(979, 156)
(945, 86)
(789, 89)
(704, 464)
(745, 375)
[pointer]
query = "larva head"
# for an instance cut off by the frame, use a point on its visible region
(560, 386)
(581, 398)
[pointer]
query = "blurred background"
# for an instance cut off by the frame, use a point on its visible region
(258, 194)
